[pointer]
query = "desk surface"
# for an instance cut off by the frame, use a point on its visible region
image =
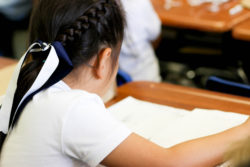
(200, 18)
(182, 97)
(242, 31)
(4, 62)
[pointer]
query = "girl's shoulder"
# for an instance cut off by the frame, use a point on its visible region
(61, 99)
(63, 92)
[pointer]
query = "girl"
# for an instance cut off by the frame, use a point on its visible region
(53, 113)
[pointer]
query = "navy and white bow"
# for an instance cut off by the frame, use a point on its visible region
(56, 66)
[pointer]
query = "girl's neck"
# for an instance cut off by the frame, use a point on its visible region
(83, 79)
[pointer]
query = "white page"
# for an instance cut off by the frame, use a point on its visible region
(167, 126)
(145, 118)
(198, 123)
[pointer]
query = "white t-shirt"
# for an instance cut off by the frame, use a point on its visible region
(62, 127)
(137, 57)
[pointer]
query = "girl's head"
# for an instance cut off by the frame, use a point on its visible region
(90, 31)
(86, 28)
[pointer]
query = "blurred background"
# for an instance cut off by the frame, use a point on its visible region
(201, 42)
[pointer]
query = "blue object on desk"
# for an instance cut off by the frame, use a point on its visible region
(122, 77)
(221, 85)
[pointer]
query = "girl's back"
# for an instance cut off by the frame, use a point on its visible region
(62, 127)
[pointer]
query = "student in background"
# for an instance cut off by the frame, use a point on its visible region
(137, 57)
(52, 111)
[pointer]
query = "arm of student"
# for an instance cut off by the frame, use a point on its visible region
(203, 152)
(148, 18)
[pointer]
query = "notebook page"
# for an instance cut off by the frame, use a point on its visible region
(168, 126)
(145, 118)
(198, 123)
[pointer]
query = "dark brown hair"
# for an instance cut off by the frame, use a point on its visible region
(82, 26)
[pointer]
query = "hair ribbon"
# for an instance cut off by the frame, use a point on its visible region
(56, 66)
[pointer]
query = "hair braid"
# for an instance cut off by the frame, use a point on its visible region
(91, 18)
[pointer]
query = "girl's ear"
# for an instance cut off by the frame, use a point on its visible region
(104, 63)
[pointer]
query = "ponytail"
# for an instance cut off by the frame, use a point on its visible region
(27, 76)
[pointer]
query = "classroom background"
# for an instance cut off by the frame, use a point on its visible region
(202, 43)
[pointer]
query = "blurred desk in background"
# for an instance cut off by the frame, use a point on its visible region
(182, 97)
(7, 67)
(242, 31)
(4, 62)
(200, 41)
(200, 17)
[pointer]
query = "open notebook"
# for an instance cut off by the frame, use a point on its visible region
(168, 126)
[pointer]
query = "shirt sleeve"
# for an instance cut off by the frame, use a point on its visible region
(90, 133)
(142, 20)
(152, 22)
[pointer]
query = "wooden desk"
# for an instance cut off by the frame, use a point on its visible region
(7, 67)
(200, 18)
(4, 62)
(242, 31)
(182, 97)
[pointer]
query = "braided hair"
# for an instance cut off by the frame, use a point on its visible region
(83, 27)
